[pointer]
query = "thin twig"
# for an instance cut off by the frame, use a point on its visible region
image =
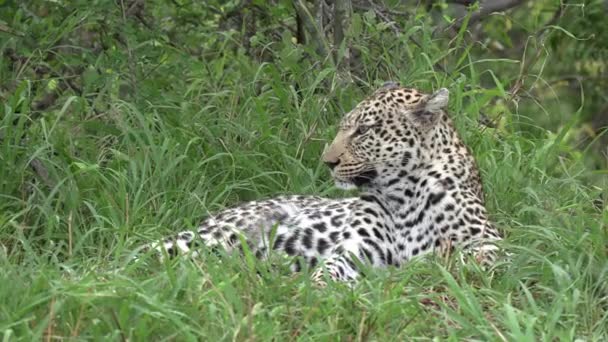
(49, 327)
(486, 8)
(76, 329)
(70, 238)
(6, 29)
(117, 322)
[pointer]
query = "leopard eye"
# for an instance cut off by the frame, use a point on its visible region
(363, 129)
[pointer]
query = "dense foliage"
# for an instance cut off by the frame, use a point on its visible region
(125, 120)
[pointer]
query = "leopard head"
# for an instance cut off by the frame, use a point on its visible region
(385, 131)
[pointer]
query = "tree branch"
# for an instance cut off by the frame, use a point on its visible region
(343, 10)
(315, 32)
(42, 172)
(6, 29)
(462, 2)
(486, 8)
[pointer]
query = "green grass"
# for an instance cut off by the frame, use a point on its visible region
(147, 152)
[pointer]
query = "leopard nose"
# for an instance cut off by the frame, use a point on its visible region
(332, 163)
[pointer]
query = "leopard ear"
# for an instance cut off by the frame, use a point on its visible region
(390, 85)
(437, 101)
(430, 109)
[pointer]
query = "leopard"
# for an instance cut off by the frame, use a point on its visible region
(419, 192)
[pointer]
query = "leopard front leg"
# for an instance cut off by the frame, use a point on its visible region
(481, 247)
(484, 249)
(338, 267)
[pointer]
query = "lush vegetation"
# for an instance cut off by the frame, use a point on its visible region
(124, 121)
